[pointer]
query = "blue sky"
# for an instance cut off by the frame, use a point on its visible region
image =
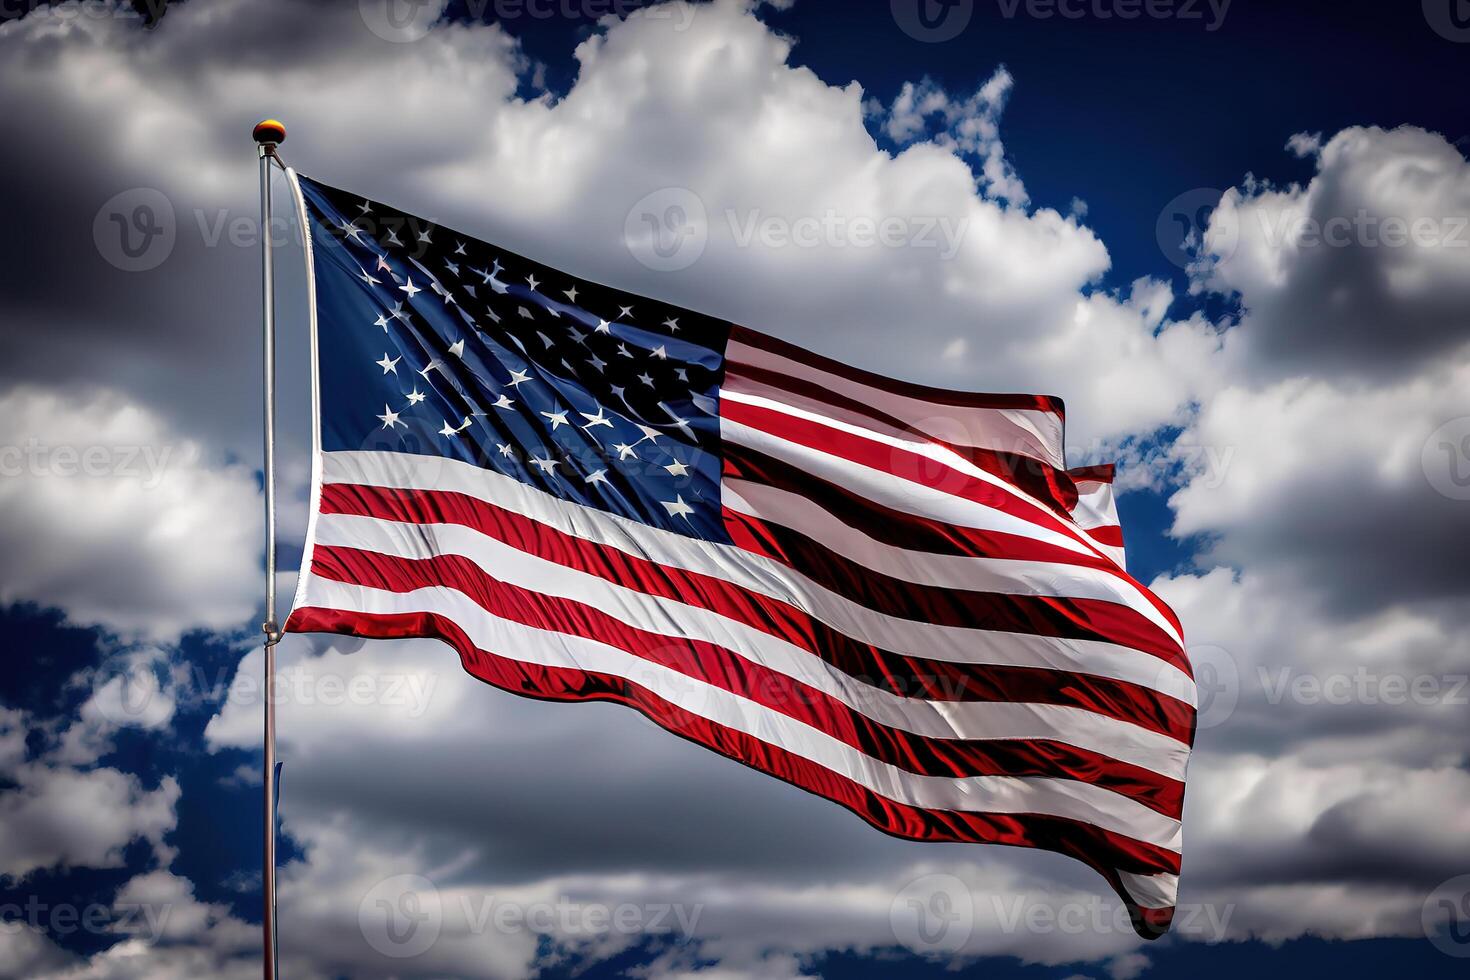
(1323, 379)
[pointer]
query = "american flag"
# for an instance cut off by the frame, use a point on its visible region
(895, 597)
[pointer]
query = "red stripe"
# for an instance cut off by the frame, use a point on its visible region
(897, 462)
(908, 676)
(1101, 473)
(719, 667)
(1101, 849)
(1108, 534)
(912, 532)
(1027, 473)
(942, 396)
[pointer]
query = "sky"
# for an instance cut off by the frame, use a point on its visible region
(1232, 236)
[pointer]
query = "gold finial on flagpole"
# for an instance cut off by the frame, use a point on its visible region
(269, 133)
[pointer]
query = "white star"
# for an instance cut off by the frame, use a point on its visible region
(599, 476)
(411, 289)
(681, 424)
(382, 321)
(503, 402)
(661, 352)
(604, 327)
(646, 379)
(681, 374)
(673, 324)
(649, 432)
(597, 362)
(429, 367)
(505, 449)
(531, 283)
(390, 418)
(526, 314)
(424, 237)
(397, 312)
(546, 340)
(453, 269)
(448, 430)
(367, 277)
(415, 396)
(518, 378)
(677, 468)
(365, 208)
(484, 274)
(677, 507)
(387, 365)
(457, 348)
(547, 466)
(383, 265)
(625, 313)
(595, 420)
(393, 238)
(577, 336)
(459, 250)
(570, 294)
(623, 350)
(351, 231)
(557, 419)
(624, 451)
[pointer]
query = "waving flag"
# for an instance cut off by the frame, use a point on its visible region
(893, 596)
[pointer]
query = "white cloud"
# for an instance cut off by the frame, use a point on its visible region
(62, 817)
(122, 523)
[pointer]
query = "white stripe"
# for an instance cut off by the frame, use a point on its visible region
(892, 491)
(757, 574)
(990, 794)
(1159, 891)
(1032, 432)
(1085, 729)
(1008, 575)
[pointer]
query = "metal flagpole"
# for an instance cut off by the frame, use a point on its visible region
(268, 135)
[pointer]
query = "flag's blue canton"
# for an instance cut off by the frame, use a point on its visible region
(437, 344)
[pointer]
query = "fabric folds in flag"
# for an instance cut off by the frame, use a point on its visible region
(894, 596)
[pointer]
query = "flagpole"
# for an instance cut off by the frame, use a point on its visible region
(268, 135)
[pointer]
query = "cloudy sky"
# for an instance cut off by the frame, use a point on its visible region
(1233, 238)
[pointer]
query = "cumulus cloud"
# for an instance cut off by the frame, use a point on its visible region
(63, 817)
(122, 522)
